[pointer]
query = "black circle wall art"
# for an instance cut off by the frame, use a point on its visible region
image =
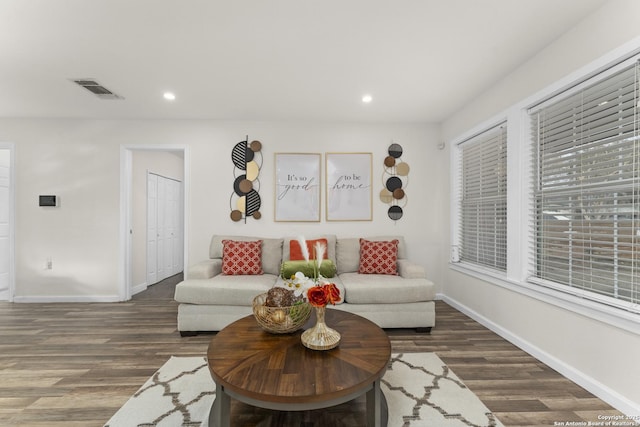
(395, 151)
(247, 161)
(395, 212)
(395, 179)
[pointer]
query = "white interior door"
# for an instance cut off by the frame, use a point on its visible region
(5, 241)
(161, 230)
(152, 228)
(164, 228)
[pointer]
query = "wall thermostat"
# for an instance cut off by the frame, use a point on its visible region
(48, 201)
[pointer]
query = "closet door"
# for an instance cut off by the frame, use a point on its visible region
(161, 229)
(164, 228)
(152, 228)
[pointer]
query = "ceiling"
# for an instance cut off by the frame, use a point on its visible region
(421, 60)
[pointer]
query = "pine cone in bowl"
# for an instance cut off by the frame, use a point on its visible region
(279, 297)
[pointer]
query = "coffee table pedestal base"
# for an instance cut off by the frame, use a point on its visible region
(377, 412)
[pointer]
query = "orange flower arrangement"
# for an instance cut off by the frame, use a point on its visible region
(321, 295)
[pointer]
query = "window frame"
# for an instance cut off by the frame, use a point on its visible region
(572, 188)
(491, 135)
(519, 198)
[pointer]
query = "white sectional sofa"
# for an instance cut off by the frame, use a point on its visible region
(210, 300)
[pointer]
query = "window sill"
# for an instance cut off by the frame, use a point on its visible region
(612, 316)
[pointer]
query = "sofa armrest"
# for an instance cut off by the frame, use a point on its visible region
(410, 270)
(205, 269)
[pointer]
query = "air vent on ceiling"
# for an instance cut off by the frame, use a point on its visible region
(96, 88)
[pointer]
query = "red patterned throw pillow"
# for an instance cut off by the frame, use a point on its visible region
(378, 257)
(239, 258)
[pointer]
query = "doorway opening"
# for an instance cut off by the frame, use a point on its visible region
(154, 190)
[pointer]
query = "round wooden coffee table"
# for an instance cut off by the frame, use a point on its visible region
(277, 372)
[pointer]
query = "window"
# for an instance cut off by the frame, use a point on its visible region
(585, 209)
(483, 199)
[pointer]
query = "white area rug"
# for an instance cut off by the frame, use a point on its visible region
(420, 390)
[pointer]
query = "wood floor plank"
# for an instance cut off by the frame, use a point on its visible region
(75, 364)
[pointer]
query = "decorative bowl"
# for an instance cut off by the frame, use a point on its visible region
(280, 320)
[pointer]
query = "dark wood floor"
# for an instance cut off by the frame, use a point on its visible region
(75, 364)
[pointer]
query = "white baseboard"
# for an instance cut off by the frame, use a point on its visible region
(75, 298)
(595, 387)
(66, 298)
(139, 288)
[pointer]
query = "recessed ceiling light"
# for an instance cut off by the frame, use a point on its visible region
(169, 96)
(367, 99)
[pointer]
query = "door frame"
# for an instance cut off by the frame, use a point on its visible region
(126, 211)
(12, 217)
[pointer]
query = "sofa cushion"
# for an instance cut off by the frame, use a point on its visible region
(348, 252)
(223, 290)
(331, 246)
(378, 257)
(297, 254)
(271, 250)
(383, 288)
(204, 270)
(241, 258)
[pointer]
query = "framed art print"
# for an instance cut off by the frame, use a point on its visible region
(297, 187)
(348, 186)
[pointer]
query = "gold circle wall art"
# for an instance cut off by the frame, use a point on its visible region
(245, 199)
(395, 179)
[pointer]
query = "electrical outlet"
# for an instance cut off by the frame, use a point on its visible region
(49, 263)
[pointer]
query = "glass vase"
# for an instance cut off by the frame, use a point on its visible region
(320, 336)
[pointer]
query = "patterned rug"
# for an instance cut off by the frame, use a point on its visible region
(420, 391)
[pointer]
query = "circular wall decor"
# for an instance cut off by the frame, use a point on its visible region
(395, 179)
(247, 161)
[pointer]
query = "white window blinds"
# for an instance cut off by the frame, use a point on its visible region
(585, 210)
(483, 199)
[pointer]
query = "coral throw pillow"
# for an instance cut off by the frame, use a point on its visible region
(295, 252)
(241, 257)
(378, 257)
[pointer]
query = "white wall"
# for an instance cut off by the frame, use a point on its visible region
(79, 160)
(598, 355)
(211, 184)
